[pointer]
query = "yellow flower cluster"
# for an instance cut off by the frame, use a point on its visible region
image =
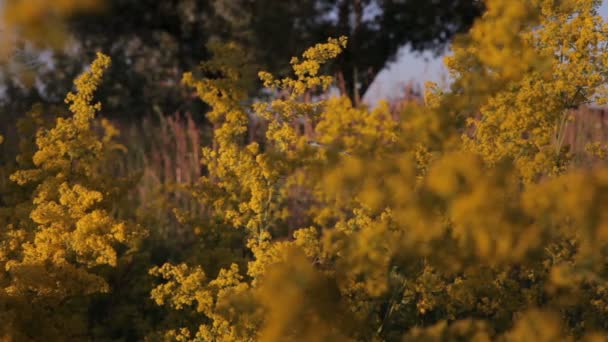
(561, 56)
(41, 21)
(59, 255)
(408, 228)
(463, 218)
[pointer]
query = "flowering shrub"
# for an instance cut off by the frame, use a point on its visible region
(408, 228)
(463, 218)
(58, 257)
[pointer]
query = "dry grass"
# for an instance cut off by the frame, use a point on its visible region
(589, 124)
(164, 153)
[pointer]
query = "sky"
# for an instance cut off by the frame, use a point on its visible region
(411, 68)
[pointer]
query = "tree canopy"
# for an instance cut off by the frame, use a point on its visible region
(152, 42)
